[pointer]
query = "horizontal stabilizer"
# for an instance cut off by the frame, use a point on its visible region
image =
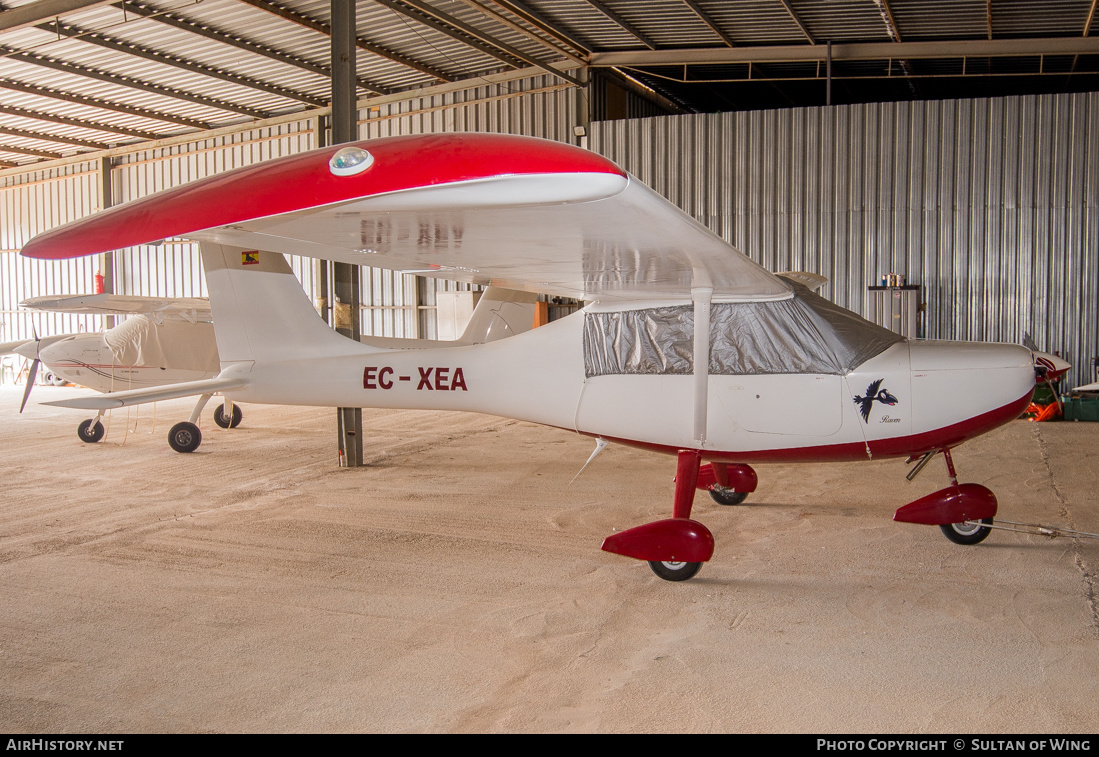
(814, 282)
(155, 394)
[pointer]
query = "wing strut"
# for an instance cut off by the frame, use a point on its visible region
(701, 297)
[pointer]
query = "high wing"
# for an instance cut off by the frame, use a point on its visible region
(188, 308)
(515, 212)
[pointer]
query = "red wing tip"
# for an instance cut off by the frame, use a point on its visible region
(304, 180)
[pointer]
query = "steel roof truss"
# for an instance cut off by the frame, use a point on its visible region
(501, 18)
(126, 81)
(95, 102)
(633, 30)
(78, 122)
(40, 136)
(698, 11)
(101, 40)
(326, 29)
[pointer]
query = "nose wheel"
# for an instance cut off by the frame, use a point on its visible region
(963, 512)
(967, 532)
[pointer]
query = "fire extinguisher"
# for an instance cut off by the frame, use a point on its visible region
(98, 282)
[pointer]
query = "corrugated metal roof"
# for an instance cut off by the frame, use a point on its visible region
(116, 72)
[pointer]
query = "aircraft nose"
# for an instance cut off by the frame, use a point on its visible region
(28, 349)
(982, 384)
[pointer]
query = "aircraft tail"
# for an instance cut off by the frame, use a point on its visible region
(261, 312)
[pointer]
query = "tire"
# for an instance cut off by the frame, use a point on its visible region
(184, 437)
(961, 533)
(221, 420)
(675, 571)
(90, 431)
(723, 496)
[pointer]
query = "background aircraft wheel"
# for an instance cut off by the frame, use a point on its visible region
(964, 533)
(221, 420)
(90, 431)
(724, 496)
(675, 571)
(184, 437)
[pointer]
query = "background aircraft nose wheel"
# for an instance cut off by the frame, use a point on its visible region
(221, 420)
(90, 431)
(970, 532)
(184, 437)
(723, 496)
(675, 571)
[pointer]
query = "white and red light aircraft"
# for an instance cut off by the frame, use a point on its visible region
(685, 345)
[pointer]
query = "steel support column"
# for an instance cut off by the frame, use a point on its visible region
(345, 284)
(106, 200)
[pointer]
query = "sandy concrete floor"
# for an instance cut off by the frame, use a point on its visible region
(456, 584)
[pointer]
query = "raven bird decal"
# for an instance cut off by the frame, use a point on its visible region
(873, 393)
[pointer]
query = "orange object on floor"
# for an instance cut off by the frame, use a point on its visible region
(1038, 412)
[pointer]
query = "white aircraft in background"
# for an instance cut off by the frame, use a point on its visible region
(169, 341)
(685, 346)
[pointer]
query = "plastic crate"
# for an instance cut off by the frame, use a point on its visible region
(1081, 409)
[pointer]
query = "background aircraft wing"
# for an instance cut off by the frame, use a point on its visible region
(515, 212)
(188, 308)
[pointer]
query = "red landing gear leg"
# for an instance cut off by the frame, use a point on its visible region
(675, 548)
(963, 512)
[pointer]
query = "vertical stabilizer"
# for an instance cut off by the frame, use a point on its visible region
(261, 312)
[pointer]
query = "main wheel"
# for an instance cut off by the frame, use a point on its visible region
(221, 420)
(675, 571)
(968, 532)
(723, 496)
(184, 437)
(90, 431)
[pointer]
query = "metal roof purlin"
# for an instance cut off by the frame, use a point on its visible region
(79, 122)
(798, 21)
(215, 132)
(53, 138)
(234, 40)
(698, 11)
(633, 30)
(501, 18)
(95, 102)
(465, 29)
(37, 12)
(322, 28)
(126, 81)
(101, 40)
(540, 22)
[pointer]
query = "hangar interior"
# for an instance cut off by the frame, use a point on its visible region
(454, 582)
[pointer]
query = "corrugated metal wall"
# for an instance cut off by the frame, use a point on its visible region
(33, 202)
(991, 206)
